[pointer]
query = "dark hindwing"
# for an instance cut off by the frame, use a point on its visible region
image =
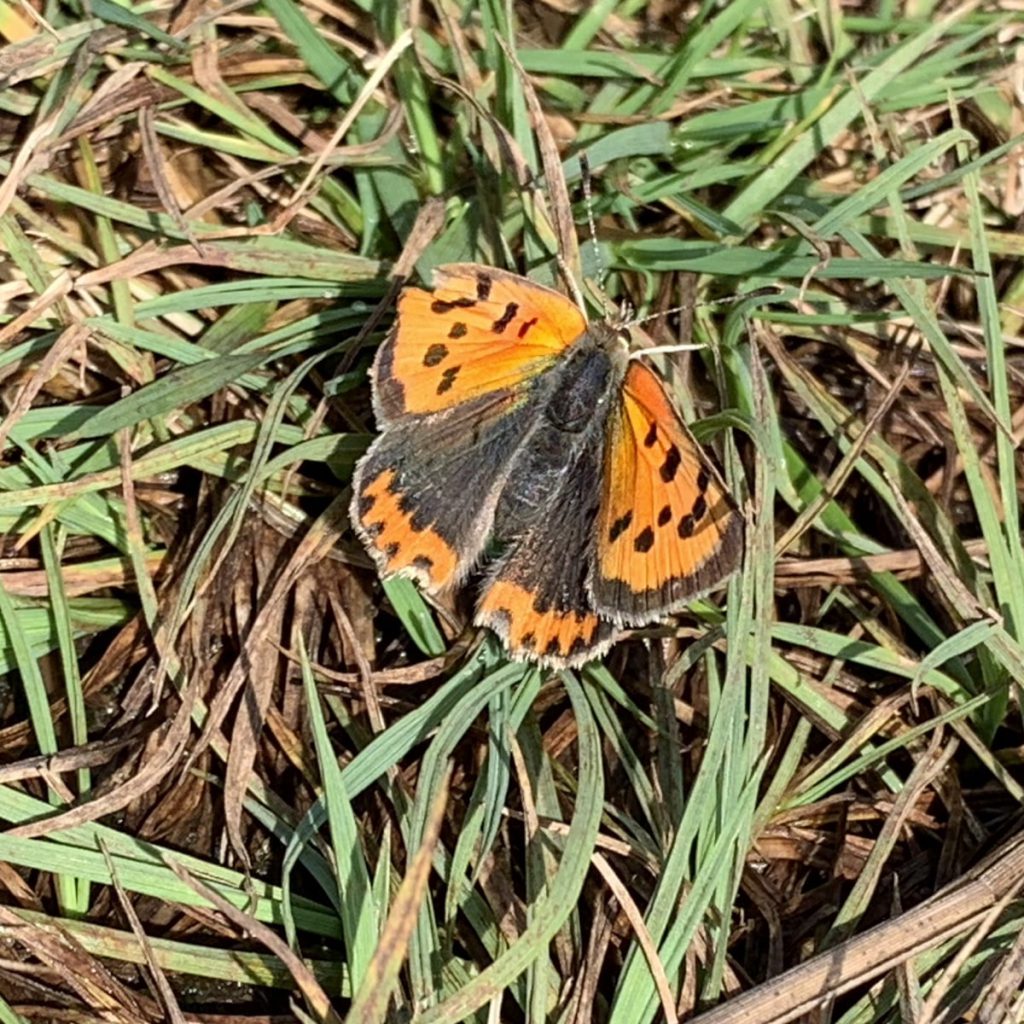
(536, 598)
(424, 494)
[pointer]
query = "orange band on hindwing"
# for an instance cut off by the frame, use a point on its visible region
(401, 546)
(530, 629)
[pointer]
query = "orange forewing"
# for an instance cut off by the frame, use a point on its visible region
(480, 330)
(667, 529)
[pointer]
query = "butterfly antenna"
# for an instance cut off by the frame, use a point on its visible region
(693, 346)
(657, 316)
(729, 300)
(725, 300)
(588, 201)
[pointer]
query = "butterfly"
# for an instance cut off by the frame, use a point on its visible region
(514, 431)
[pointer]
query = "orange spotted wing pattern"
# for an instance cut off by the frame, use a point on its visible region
(511, 427)
(536, 598)
(410, 503)
(402, 546)
(479, 331)
(452, 389)
(668, 530)
(547, 634)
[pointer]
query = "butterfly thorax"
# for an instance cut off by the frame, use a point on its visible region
(575, 396)
(581, 385)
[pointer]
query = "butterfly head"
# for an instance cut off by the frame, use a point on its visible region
(613, 337)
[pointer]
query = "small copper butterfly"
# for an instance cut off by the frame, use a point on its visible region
(508, 420)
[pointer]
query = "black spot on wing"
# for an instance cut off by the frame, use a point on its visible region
(620, 526)
(528, 641)
(435, 354)
(366, 503)
(553, 647)
(406, 504)
(448, 379)
(652, 435)
(700, 506)
(525, 326)
(686, 526)
(423, 562)
(458, 330)
(506, 318)
(703, 480)
(644, 540)
(483, 286)
(671, 464)
(392, 549)
(445, 306)
(665, 515)
(578, 646)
